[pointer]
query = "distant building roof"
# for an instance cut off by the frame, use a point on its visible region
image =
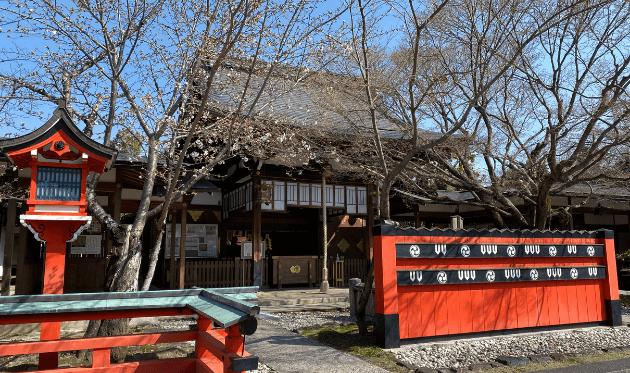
(293, 101)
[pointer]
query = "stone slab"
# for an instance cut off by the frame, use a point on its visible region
(540, 359)
(512, 361)
(284, 351)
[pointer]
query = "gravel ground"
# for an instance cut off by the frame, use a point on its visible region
(463, 353)
(295, 321)
(460, 353)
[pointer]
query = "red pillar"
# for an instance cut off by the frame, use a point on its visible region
(203, 325)
(55, 233)
(234, 343)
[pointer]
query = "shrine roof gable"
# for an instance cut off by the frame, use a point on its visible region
(60, 124)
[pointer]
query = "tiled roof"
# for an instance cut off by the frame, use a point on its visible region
(294, 104)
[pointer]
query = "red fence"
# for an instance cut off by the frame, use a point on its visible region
(216, 350)
(443, 282)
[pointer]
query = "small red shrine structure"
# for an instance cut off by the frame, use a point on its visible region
(60, 157)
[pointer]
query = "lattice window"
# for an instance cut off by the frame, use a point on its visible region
(58, 184)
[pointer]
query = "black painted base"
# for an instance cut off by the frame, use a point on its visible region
(613, 312)
(387, 330)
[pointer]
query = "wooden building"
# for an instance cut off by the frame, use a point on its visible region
(214, 219)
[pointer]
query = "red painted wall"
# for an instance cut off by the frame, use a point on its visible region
(446, 309)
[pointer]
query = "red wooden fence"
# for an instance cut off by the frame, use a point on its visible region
(216, 350)
(443, 282)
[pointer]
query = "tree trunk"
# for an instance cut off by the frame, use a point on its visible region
(369, 281)
(497, 219)
(122, 275)
(363, 301)
(543, 205)
(384, 201)
(153, 258)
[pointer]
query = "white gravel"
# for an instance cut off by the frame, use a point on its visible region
(462, 353)
(294, 321)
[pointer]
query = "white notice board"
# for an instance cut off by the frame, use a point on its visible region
(86, 245)
(246, 249)
(202, 238)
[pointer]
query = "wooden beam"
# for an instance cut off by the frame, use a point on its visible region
(173, 365)
(368, 246)
(416, 215)
(21, 281)
(59, 345)
(182, 246)
(173, 275)
(8, 247)
(117, 202)
(210, 365)
(93, 315)
(256, 232)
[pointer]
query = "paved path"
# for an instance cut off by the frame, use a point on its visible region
(613, 366)
(288, 352)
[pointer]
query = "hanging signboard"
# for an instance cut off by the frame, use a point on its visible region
(246, 249)
(201, 240)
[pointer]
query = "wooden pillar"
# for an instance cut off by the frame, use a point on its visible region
(182, 245)
(56, 236)
(8, 247)
(21, 281)
(117, 202)
(368, 241)
(324, 285)
(203, 325)
(416, 215)
(172, 280)
(256, 232)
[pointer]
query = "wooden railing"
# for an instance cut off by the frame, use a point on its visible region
(212, 273)
(216, 351)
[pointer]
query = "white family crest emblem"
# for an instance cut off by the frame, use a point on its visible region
(511, 250)
(553, 251)
(414, 251)
(590, 250)
(533, 274)
(490, 276)
(442, 277)
(574, 273)
(465, 250)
